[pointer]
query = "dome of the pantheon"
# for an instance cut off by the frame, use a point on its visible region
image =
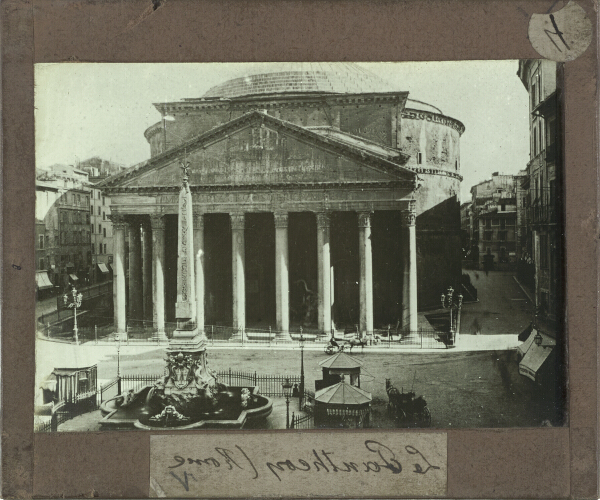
(274, 78)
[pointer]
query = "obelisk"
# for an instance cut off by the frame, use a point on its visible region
(185, 307)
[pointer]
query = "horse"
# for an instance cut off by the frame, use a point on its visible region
(357, 342)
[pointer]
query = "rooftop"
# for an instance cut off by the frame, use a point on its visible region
(336, 78)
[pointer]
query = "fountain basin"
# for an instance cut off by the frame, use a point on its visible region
(136, 414)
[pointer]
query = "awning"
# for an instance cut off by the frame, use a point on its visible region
(73, 277)
(524, 347)
(536, 355)
(42, 281)
(103, 267)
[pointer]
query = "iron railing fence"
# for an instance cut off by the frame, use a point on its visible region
(306, 421)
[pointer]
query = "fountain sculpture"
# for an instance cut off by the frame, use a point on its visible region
(189, 395)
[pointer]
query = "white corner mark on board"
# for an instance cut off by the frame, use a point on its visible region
(562, 35)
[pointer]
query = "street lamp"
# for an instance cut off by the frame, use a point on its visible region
(301, 395)
(77, 298)
(287, 390)
(453, 303)
(538, 339)
(118, 342)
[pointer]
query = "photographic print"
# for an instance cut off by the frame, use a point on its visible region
(299, 246)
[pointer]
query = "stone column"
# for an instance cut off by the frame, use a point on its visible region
(324, 272)
(366, 272)
(199, 250)
(147, 269)
(238, 273)
(282, 280)
(409, 289)
(135, 271)
(158, 277)
(119, 289)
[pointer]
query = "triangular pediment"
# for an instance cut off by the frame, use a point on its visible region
(258, 149)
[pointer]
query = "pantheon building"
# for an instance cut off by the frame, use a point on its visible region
(320, 200)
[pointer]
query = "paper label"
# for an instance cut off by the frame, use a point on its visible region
(299, 465)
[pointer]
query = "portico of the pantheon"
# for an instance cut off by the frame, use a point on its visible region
(318, 202)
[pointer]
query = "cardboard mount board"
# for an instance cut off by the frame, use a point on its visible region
(481, 463)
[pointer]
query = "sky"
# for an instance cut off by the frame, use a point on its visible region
(102, 109)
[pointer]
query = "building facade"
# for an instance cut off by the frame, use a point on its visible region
(494, 219)
(62, 213)
(542, 187)
(318, 201)
(100, 223)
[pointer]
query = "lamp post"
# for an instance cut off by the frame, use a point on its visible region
(454, 304)
(301, 396)
(287, 390)
(77, 298)
(118, 343)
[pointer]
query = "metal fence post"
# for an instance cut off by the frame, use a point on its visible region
(230, 376)
(54, 422)
(96, 333)
(119, 384)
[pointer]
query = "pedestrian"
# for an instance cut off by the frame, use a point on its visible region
(476, 327)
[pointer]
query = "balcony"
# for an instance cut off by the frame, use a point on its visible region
(541, 214)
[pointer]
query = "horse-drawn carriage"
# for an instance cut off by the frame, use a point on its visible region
(406, 409)
(339, 345)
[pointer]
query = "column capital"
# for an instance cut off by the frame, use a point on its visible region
(281, 220)
(157, 221)
(237, 221)
(198, 220)
(118, 221)
(409, 217)
(364, 218)
(323, 220)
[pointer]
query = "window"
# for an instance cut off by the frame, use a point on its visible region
(98, 194)
(92, 209)
(87, 218)
(105, 248)
(419, 158)
(550, 131)
(42, 264)
(495, 222)
(456, 165)
(100, 248)
(104, 200)
(502, 207)
(488, 223)
(99, 210)
(487, 236)
(503, 224)
(543, 251)
(41, 242)
(92, 226)
(501, 235)
(99, 228)
(104, 232)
